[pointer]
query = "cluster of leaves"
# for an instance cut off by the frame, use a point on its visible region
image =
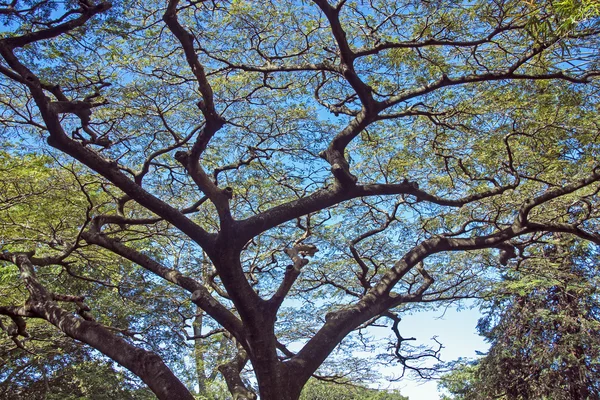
(560, 17)
(43, 206)
(544, 328)
(319, 390)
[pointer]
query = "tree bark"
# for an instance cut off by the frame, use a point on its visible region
(199, 352)
(145, 364)
(275, 382)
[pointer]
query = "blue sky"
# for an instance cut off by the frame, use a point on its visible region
(456, 330)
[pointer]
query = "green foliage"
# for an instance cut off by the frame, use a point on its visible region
(214, 390)
(43, 206)
(461, 382)
(318, 390)
(55, 367)
(550, 19)
(543, 326)
(409, 142)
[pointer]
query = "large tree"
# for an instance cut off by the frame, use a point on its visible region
(298, 171)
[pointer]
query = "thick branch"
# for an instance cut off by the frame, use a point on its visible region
(292, 272)
(86, 14)
(509, 74)
(347, 56)
(381, 298)
(200, 295)
(386, 45)
(147, 365)
(213, 120)
(93, 160)
(325, 198)
(231, 371)
(555, 193)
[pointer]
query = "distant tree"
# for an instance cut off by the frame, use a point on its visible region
(544, 330)
(252, 187)
(317, 390)
(460, 382)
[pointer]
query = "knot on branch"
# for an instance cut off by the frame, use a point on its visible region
(507, 252)
(410, 184)
(339, 167)
(343, 175)
(202, 299)
(182, 157)
(330, 316)
(82, 109)
(228, 192)
(196, 296)
(341, 313)
(82, 309)
(298, 252)
(306, 249)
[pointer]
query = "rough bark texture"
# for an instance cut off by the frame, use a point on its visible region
(147, 365)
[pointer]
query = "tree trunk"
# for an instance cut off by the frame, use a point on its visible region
(277, 382)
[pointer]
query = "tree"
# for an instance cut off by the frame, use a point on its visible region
(299, 171)
(543, 328)
(41, 203)
(315, 390)
(460, 381)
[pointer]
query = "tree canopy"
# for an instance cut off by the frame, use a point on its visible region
(248, 188)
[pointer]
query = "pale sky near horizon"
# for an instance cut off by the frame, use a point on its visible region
(456, 330)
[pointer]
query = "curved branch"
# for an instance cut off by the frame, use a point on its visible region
(200, 295)
(145, 364)
(325, 198)
(347, 56)
(86, 14)
(387, 45)
(93, 160)
(381, 298)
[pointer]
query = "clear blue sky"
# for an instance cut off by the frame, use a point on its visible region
(454, 329)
